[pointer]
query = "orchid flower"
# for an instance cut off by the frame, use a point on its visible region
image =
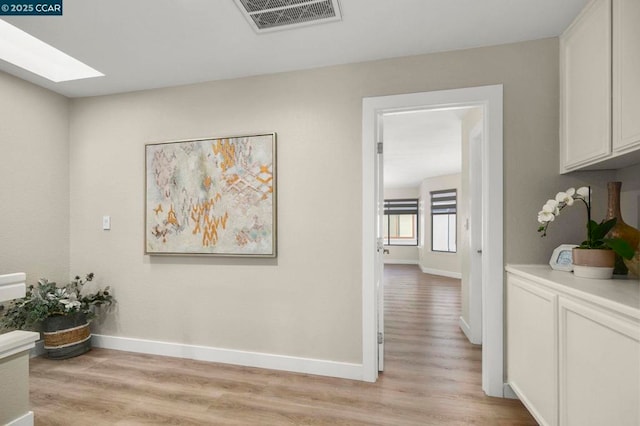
(552, 207)
(564, 197)
(584, 193)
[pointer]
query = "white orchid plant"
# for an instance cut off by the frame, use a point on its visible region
(596, 232)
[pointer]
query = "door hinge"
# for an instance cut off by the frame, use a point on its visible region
(380, 338)
(379, 148)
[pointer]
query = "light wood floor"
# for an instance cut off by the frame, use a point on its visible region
(432, 377)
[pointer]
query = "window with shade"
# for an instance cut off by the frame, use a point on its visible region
(401, 222)
(443, 220)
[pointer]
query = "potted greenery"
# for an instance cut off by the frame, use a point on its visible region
(595, 257)
(62, 314)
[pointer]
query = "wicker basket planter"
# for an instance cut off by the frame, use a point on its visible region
(66, 336)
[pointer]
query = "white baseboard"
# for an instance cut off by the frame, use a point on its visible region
(466, 329)
(319, 367)
(442, 273)
(508, 392)
(24, 420)
(38, 349)
(400, 262)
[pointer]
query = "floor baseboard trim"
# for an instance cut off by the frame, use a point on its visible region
(38, 349)
(441, 273)
(319, 367)
(400, 262)
(24, 420)
(509, 393)
(466, 329)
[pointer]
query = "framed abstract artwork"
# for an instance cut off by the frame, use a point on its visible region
(212, 197)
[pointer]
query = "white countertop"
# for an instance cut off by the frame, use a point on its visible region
(619, 294)
(12, 286)
(17, 341)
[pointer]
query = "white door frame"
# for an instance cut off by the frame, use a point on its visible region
(490, 99)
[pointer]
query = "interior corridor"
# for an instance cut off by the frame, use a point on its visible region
(427, 352)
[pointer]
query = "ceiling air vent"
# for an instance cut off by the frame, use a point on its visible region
(271, 15)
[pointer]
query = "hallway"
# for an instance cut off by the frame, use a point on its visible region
(431, 356)
(432, 377)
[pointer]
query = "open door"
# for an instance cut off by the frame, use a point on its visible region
(379, 258)
(475, 264)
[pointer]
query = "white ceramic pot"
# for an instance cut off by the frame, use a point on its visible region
(595, 272)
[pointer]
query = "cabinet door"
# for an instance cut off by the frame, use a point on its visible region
(532, 348)
(599, 379)
(626, 75)
(585, 84)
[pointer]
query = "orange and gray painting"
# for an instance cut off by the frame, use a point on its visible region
(213, 196)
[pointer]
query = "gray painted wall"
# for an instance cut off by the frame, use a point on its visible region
(307, 302)
(34, 181)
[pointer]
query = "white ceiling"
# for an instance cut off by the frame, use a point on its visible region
(421, 144)
(143, 44)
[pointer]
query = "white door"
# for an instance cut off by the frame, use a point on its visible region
(379, 260)
(475, 265)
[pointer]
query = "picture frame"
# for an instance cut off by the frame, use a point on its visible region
(211, 196)
(562, 258)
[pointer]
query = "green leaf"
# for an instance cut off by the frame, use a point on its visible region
(599, 231)
(620, 246)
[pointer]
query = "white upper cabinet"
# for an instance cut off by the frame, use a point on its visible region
(585, 69)
(626, 75)
(600, 87)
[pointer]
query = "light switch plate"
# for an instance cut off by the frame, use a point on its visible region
(106, 222)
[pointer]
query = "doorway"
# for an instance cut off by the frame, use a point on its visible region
(489, 98)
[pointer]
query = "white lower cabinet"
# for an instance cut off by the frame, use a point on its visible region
(532, 349)
(599, 380)
(573, 347)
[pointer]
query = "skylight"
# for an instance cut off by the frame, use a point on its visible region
(25, 51)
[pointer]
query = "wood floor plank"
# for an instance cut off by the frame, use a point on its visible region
(432, 377)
